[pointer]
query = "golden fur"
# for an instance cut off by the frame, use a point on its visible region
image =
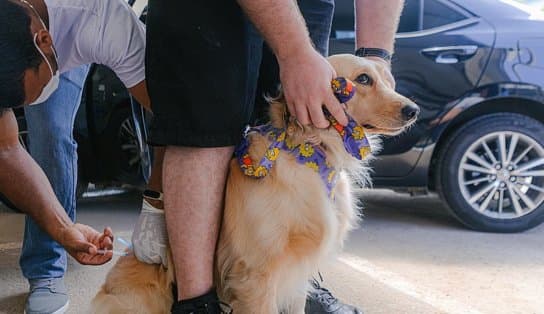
(276, 231)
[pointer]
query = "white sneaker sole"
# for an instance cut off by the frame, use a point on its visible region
(62, 310)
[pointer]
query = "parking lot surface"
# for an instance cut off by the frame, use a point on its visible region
(408, 256)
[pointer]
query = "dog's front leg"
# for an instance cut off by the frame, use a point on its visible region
(254, 295)
(257, 307)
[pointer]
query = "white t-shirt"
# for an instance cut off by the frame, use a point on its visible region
(105, 32)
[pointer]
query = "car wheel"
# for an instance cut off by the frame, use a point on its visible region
(491, 173)
(129, 145)
(124, 148)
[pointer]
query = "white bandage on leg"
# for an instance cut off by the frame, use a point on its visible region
(150, 239)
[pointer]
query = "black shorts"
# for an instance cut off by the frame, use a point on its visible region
(201, 70)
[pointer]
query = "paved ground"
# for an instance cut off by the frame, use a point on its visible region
(408, 257)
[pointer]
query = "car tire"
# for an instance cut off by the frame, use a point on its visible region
(494, 193)
(123, 147)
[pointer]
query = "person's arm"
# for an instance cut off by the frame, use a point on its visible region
(376, 23)
(139, 91)
(305, 75)
(23, 182)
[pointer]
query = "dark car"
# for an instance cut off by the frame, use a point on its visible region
(110, 129)
(110, 134)
(476, 69)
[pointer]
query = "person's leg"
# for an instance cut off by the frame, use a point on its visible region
(194, 201)
(318, 16)
(150, 237)
(200, 99)
(52, 145)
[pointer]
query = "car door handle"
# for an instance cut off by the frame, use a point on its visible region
(450, 54)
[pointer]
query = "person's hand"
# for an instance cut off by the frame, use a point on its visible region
(83, 242)
(386, 66)
(306, 80)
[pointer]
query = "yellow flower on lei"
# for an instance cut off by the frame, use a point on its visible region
(261, 171)
(306, 150)
(249, 171)
(272, 154)
(335, 84)
(281, 137)
(358, 133)
(364, 151)
(312, 165)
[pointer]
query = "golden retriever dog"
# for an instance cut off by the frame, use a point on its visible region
(278, 230)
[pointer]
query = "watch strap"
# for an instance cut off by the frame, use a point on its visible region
(154, 195)
(373, 52)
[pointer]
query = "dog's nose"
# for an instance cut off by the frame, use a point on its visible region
(409, 112)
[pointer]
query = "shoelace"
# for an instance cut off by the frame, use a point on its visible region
(43, 284)
(323, 295)
(49, 284)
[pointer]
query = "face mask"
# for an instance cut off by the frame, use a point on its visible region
(53, 84)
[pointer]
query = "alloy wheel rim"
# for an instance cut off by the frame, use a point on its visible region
(501, 175)
(129, 143)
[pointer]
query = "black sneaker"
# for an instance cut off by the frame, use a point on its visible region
(205, 304)
(321, 301)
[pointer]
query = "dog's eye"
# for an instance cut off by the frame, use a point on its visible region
(364, 79)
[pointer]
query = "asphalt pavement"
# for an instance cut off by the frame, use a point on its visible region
(408, 256)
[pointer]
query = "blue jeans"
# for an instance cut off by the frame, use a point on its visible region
(318, 15)
(51, 144)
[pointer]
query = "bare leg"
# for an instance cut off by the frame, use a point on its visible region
(194, 184)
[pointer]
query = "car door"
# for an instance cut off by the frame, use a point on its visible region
(441, 51)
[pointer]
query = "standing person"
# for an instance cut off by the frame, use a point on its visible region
(40, 42)
(201, 68)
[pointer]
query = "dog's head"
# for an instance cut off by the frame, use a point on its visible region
(376, 106)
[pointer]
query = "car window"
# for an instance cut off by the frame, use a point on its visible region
(437, 14)
(411, 17)
(424, 14)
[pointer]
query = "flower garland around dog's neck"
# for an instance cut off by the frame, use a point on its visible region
(311, 155)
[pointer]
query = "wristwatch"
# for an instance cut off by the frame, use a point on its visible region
(154, 195)
(373, 52)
